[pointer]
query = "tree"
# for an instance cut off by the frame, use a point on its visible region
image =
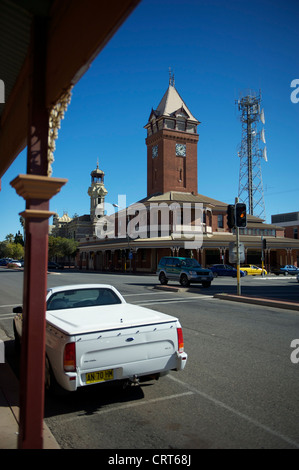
(22, 221)
(54, 247)
(60, 247)
(69, 247)
(3, 249)
(9, 238)
(19, 238)
(13, 250)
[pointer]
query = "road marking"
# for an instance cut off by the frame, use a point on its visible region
(236, 412)
(13, 305)
(7, 316)
(146, 293)
(130, 405)
(177, 299)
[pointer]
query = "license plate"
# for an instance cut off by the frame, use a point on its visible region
(99, 376)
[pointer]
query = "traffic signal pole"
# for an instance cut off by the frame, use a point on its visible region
(238, 256)
(238, 261)
(236, 218)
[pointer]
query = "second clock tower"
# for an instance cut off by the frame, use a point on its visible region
(171, 146)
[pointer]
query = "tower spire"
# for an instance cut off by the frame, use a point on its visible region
(171, 77)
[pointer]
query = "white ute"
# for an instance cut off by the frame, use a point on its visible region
(93, 335)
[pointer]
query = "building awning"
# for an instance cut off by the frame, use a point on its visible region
(77, 32)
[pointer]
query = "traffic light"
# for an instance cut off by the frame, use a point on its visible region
(264, 243)
(241, 220)
(231, 215)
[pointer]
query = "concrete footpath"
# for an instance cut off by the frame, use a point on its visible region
(237, 298)
(9, 409)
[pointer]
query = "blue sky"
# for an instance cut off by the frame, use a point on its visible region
(216, 49)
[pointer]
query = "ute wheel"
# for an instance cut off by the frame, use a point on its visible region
(17, 340)
(184, 281)
(51, 385)
(162, 278)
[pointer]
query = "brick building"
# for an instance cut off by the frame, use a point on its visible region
(171, 142)
(289, 221)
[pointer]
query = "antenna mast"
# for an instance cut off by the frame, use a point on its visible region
(250, 153)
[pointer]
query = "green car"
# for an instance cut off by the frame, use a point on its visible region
(184, 270)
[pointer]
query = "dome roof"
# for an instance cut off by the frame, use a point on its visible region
(97, 172)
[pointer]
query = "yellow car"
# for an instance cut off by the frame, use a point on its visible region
(253, 270)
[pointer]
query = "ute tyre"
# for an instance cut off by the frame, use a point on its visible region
(51, 385)
(17, 344)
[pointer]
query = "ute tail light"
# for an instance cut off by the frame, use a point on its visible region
(69, 357)
(180, 340)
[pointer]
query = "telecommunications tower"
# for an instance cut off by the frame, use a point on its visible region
(251, 151)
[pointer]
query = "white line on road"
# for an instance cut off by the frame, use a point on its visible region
(13, 305)
(146, 293)
(7, 316)
(236, 412)
(177, 299)
(130, 405)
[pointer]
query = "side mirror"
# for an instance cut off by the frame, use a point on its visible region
(18, 309)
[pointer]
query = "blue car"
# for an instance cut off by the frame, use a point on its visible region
(4, 261)
(289, 269)
(225, 270)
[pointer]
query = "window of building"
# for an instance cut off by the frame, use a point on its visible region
(220, 220)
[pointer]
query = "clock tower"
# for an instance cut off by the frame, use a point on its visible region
(171, 146)
(97, 193)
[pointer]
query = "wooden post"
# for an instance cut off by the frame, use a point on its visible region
(37, 191)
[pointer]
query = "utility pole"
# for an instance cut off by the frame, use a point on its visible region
(238, 255)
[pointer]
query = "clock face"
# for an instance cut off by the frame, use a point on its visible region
(180, 150)
(155, 151)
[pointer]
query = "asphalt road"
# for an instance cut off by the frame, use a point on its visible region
(239, 388)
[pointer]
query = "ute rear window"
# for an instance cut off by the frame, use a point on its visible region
(77, 298)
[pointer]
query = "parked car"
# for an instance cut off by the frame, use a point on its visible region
(298, 277)
(53, 265)
(93, 336)
(184, 270)
(6, 261)
(289, 269)
(15, 262)
(253, 270)
(226, 270)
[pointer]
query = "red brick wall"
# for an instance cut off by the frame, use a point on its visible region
(163, 172)
(289, 231)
